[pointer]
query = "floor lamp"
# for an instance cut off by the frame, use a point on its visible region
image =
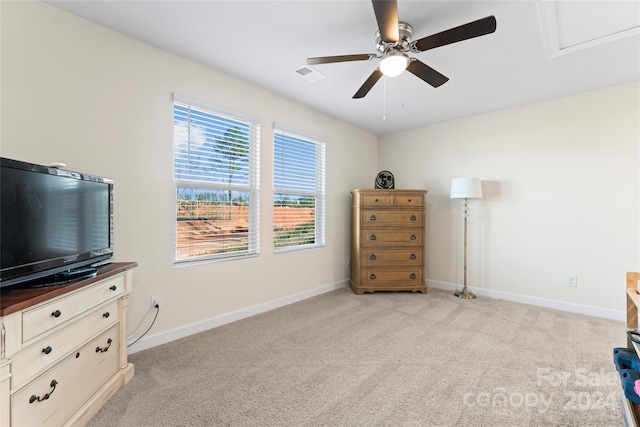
(465, 188)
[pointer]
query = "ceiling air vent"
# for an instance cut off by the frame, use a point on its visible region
(308, 73)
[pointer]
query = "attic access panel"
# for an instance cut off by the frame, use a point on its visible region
(570, 26)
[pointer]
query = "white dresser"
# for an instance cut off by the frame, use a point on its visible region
(63, 349)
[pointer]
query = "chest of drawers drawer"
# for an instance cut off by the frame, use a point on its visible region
(372, 276)
(392, 218)
(52, 397)
(48, 316)
(377, 257)
(379, 237)
(376, 200)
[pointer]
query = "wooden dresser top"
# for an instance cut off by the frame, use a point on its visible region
(15, 299)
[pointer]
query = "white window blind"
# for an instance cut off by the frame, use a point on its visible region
(299, 191)
(216, 167)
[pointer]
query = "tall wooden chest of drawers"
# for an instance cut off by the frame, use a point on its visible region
(387, 240)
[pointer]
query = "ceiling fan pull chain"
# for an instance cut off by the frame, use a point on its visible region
(384, 98)
(402, 90)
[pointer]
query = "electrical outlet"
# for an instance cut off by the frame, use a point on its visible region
(156, 300)
(572, 281)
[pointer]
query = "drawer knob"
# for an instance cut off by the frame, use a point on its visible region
(56, 313)
(104, 349)
(413, 237)
(373, 237)
(413, 218)
(413, 256)
(413, 276)
(372, 276)
(372, 257)
(47, 349)
(113, 288)
(409, 200)
(106, 315)
(376, 200)
(35, 398)
(372, 218)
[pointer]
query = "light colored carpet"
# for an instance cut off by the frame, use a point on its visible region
(384, 359)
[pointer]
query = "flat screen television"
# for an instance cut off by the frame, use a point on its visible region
(56, 225)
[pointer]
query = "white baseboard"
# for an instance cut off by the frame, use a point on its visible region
(164, 337)
(542, 302)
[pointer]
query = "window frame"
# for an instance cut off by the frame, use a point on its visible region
(318, 193)
(251, 187)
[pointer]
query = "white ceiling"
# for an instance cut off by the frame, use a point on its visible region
(540, 50)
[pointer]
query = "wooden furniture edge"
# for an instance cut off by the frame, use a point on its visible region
(633, 301)
(12, 300)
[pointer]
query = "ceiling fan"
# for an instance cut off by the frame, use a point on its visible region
(393, 41)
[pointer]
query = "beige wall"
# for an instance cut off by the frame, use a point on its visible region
(81, 94)
(562, 185)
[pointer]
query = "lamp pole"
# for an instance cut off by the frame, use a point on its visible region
(465, 293)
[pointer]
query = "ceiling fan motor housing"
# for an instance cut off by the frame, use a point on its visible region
(405, 32)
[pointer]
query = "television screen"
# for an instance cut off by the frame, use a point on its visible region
(51, 221)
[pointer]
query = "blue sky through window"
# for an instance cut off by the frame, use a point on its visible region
(210, 148)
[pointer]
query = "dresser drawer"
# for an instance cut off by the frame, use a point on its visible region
(415, 200)
(409, 257)
(392, 218)
(51, 315)
(385, 277)
(53, 397)
(373, 237)
(45, 352)
(377, 200)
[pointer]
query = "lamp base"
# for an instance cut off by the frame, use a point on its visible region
(465, 294)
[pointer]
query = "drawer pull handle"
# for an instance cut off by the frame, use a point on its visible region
(373, 237)
(413, 256)
(34, 398)
(372, 276)
(413, 218)
(104, 349)
(413, 276)
(372, 257)
(56, 313)
(106, 315)
(376, 200)
(372, 218)
(413, 237)
(47, 349)
(409, 200)
(113, 288)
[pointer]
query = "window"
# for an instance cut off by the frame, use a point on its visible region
(216, 180)
(298, 199)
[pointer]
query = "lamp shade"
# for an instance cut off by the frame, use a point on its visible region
(466, 188)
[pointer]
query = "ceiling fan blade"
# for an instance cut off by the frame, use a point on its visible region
(368, 84)
(387, 16)
(340, 58)
(426, 73)
(463, 32)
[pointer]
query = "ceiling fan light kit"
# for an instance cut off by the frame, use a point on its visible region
(393, 42)
(393, 63)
